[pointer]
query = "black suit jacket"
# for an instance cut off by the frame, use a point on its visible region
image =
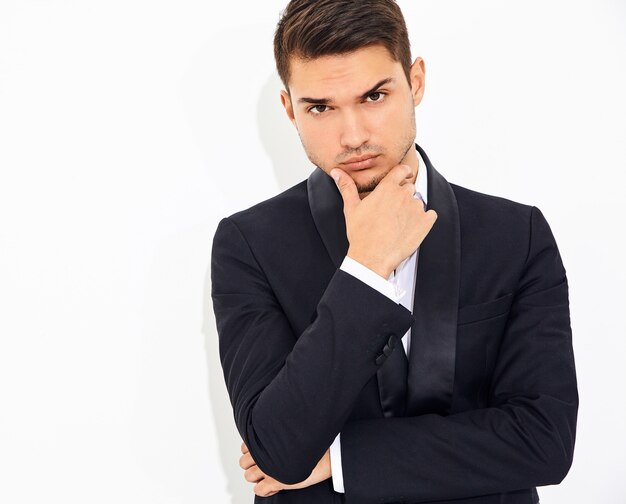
(485, 408)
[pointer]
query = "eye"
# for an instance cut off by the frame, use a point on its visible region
(376, 96)
(317, 109)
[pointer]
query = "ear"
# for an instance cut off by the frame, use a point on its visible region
(418, 80)
(286, 101)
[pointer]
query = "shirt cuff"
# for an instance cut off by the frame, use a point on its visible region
(374, 280)
(335, 464)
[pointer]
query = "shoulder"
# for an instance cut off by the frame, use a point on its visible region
(496, 232)
(487, 212)
(500, 238)
(279, 213)
(498, 223)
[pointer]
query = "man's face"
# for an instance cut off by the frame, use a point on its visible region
(356, 105)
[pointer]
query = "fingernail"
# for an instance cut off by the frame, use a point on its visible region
(335, 176)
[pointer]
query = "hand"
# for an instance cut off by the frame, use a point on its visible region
(266, 485)
(389, 224)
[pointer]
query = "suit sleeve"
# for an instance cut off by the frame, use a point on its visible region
(393, 292)
(290, 393)
(525, 438)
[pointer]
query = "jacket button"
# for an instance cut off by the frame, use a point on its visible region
(380, 359)
(387, 350)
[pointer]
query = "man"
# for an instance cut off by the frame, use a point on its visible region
(314, 290)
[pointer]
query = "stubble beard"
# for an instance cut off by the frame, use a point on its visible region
(374, 181)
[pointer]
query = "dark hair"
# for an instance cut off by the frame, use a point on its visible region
(309, 29)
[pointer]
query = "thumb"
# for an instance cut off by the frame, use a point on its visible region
(346, 187)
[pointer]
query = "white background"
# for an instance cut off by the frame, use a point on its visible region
(129, 128)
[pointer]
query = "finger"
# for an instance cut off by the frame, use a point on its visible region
(246, 461)
(432, 215)
(268, 494)
(398, 174)
(428, 221)
(409, 187)
(254, 474)
(267, 487)
(244, 448)
(347, 188)
(410, 175)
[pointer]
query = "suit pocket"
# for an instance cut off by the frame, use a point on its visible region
(482, 311)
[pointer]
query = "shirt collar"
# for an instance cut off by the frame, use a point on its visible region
(421, 183)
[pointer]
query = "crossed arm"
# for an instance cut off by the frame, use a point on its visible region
(524, 439)
(266, 485)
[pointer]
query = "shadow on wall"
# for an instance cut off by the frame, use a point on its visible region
(228, 438)
(226, 127)
(290, 165)
(280, 138)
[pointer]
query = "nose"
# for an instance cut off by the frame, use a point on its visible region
(354, 131)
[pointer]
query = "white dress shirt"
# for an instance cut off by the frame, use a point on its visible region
(400, 287)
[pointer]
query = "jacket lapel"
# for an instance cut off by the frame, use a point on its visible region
(423, 383)
(435, 305)
(327, 211)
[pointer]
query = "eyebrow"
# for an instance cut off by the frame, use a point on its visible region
(326, 101)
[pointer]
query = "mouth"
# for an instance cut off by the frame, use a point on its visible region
(361, 162)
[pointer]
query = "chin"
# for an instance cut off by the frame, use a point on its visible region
(367, 182)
